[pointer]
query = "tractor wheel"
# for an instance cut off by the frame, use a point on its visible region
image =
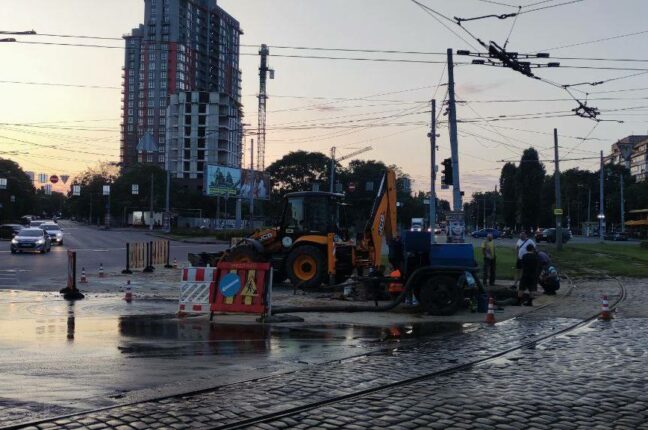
(244, 254)
(439, 295)
(306, 267)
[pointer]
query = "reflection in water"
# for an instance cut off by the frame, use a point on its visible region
(164, 334)
(70, 321)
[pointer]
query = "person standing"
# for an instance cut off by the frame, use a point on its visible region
(488, 251)
(529, 277)
(520, 250)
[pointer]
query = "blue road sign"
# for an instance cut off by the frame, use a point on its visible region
(230, 285)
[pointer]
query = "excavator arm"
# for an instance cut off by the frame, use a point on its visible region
(381, 224)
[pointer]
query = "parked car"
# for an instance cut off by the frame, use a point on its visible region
(485, 232)
(549, 235)
(8, 231)
(55, 232)
(616, 236)
(31, 240)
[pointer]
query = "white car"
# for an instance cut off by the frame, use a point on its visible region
(55, 232)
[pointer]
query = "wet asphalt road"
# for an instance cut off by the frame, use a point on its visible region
(93, 247)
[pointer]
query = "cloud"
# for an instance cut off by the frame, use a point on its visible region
(327, 108)
(472, 88)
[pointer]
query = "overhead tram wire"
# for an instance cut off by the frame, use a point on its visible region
(620, 36)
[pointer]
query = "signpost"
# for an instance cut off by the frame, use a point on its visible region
(135, 189)
(76, 190)
(70, 292)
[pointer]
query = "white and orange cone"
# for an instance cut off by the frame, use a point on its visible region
(490, 316)
(101, 271)
(605, 309)
(175, 263)
(84, 279)
(128, 295)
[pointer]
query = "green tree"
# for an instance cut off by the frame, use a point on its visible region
(508, 190)
(20, 186)
(90, 205)
(298, 170)
(530, 179)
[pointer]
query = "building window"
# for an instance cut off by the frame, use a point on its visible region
(140, 156)
(149, 157)
(161, 158)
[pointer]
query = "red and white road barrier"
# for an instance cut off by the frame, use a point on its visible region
(490, 316)
(606, 315)
(194, 289)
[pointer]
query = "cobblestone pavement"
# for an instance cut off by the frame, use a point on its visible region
(465, 398)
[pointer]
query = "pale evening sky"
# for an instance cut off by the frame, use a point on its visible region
(82, 124)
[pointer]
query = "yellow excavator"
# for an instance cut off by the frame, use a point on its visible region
(312, 246)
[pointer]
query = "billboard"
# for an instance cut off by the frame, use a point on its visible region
(224, 181)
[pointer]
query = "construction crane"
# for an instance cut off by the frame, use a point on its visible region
(264, 70)
(344, 157)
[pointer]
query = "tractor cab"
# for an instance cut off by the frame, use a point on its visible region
(313, 213)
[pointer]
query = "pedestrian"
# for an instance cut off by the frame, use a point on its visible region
(529, 276)
(520, 250)
(488, 251)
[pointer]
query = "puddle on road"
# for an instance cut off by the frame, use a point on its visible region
(104, 324)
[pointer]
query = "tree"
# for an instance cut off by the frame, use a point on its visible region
(508, 190)
(530, 178)
(90, 204)
(20, 186)
(298, 170)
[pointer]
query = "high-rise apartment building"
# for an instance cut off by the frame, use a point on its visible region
(183, 46)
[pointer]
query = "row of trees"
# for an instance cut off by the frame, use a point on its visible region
(526, 196)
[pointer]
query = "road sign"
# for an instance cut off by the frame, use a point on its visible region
(65, 178)
(241, 287)
(76, 190)
(42, 178)
(456, 226)
(106, 190)
(229, 285)
(558, 211)
(54, 179)
(12, 199)
(3, 183)
(352, 187)
(135, 189)
(48, 189)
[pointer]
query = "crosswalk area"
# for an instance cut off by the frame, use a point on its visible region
(8, 279)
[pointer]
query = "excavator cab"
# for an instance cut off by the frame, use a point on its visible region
(312, 212)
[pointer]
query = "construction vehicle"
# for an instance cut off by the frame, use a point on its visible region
(311, 246)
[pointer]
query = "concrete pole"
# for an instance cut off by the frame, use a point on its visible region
(601, 215)
(251, 189)
(332, 172)
(151, 211)
(559, 238)
(454, 144)
(622, 207)
(433, 174)
(167, 205)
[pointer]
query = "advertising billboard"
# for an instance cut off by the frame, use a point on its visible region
(224, 181)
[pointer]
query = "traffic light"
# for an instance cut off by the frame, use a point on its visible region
(446, 179)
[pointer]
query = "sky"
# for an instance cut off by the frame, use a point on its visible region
(315, 104)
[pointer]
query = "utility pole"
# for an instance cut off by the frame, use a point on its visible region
(454, 144)
(622, 207)
(332, 172)
(167, 205)
(251, 215)
(601, 215)
(151, 212)
(433, 174)
(484, 208)
(557, 211)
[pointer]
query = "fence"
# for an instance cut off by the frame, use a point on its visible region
(146, 255)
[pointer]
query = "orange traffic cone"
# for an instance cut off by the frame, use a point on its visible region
(175, 263)
(101, 272)
(605, 309)
(128, 296)
(490, 316)
(83, 280)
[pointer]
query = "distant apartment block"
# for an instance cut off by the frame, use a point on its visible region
(637, 161)
(183, 47)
